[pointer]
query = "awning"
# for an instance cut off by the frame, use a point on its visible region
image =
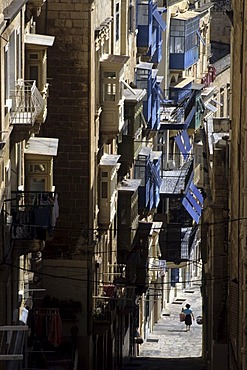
(196, 192)
(129, 185)
(200, 37)
(186, 16)
(190, 210)
(174, 182)
(183, 142)
(193, 202)
(42, 146)
(40, 40)
(128, 87)
(159, 19)
(185, 81)
(134, 95)
(13, 9)
(109, 160)
(217, 102)
(211, 107)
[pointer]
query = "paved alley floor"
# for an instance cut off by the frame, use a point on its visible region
(169, 346)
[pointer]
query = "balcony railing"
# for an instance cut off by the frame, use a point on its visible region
(12, 343)
(33, 215)
(171, 117)
(27, 103)
(104, 313)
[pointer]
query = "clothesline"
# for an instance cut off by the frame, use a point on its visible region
(46, 311)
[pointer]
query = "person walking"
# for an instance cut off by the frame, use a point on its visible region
(189, 315)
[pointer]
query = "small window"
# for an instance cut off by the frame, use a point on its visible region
(228, 101)
(36, 68)
(104, 174)
(104, 190)
(33, 56)
(109, 92)
(109, 74)
(222, 104)
(37, 168)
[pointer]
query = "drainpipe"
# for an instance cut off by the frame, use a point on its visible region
(244, 286)
(244, 270)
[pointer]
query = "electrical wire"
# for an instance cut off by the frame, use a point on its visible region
(64, 277)
(162, 228)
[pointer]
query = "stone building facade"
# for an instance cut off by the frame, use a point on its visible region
(237, 237)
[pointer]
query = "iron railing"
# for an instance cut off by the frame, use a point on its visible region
(27, 103)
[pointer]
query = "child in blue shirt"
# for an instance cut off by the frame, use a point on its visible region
(188, 316)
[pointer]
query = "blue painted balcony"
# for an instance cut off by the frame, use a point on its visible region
(184, 40)
(180, 111)
(150, 27)
(186, 201)
(147, 168)
(176, 242)
(147, 78)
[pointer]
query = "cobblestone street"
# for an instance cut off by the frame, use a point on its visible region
(169, 346)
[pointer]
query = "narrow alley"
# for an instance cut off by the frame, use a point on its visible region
(169, 346)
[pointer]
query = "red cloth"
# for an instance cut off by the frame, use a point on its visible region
(55, 333)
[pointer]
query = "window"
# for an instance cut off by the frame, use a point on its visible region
(176, 45)
(34, 73)
(228, 100)
(143, 14)
(18, 52)
(222, 104)
(10, 65)
(38, 174)
(6, 69)
(109, 86)
(34, 68)
(37, 168)
(12, 61)
(109, 92)
(104, 190)
(38, 184)
(117, 22)
(131, 18)
(183, 36)
(109, 75)
(104, 174)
